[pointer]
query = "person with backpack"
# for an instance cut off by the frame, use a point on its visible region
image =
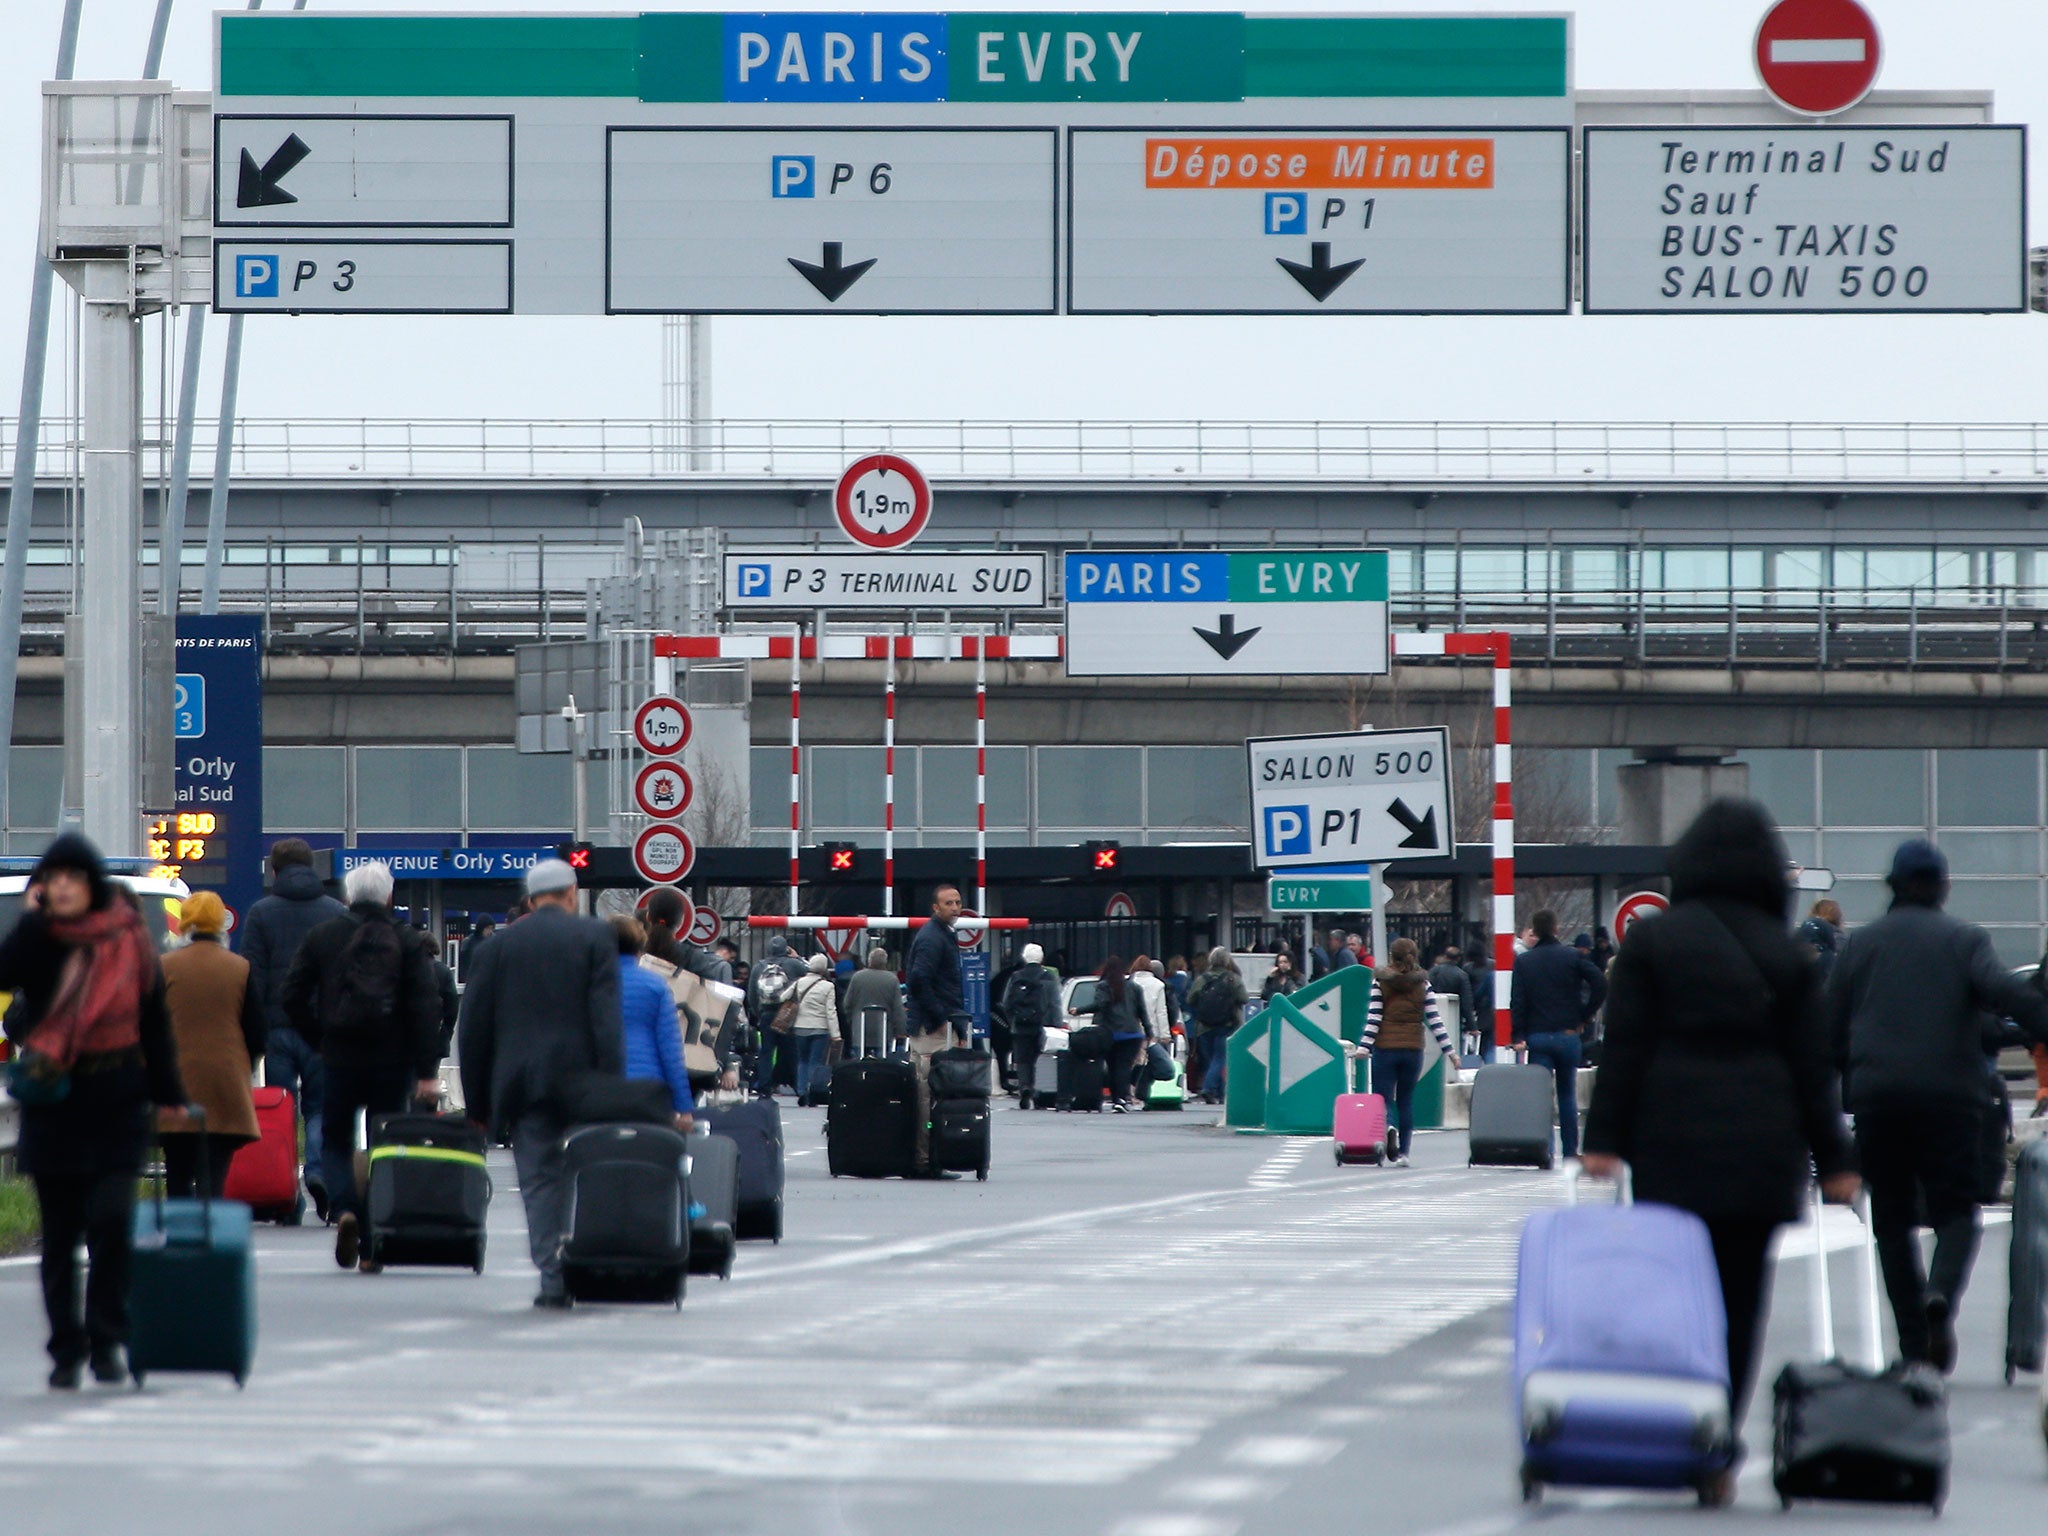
(269, 939)
(363, 990)
(774, 979)
(1032, 1000)
(1216, 1002)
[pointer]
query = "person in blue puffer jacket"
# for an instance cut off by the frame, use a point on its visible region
(654, 1033)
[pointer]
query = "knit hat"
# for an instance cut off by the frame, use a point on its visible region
(549, 876)
(819, 965)
(1033, 955)
(1914, 859)
(203, 912)
(75, 851)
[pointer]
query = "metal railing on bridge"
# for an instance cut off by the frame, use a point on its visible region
(374, 448)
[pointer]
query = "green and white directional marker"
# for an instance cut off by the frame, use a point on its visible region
(1319, 893)
(1292, 1065)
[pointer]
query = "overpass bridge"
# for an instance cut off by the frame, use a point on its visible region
(1860, 609)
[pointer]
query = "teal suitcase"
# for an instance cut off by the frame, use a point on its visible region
(192, 1297)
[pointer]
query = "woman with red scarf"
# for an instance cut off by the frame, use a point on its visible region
(93, 1053)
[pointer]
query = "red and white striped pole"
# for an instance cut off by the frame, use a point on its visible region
(889, 777)
(1493, 643)
(843, 924)
(981, 774)
(796, 763)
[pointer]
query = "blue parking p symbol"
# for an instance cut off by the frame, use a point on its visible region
(1286, 830)
(1286, 213)
(188, 705)
(255, 277)
(756, 581)
(793, 176)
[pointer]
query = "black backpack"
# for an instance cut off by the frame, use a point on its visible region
(1024, 1000)
(1215, 1008)
(369, 976)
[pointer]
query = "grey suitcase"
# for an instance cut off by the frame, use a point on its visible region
(1045, 1080)
(714, 1203)
(2026, 1320)
(1512, 1111)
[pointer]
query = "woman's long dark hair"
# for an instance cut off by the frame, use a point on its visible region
(664, 910)
(1113, 976)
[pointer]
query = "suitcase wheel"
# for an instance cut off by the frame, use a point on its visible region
(1532, 1489)
(981, 1175)
(296, 1217)
(1340, 1156)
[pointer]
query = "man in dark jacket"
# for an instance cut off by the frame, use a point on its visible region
(1447, 978)
(935, 1007)
(539, 1012)
(1904, 1003)
(269, 940)
(1032, 1000)
(362, 989)
(1553, 997)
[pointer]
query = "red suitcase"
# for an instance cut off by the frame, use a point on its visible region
(265, 1173)
(1359, 1124)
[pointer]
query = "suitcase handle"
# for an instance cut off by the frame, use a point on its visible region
(1866, 1273)
(1624, 1186)
(197, 1115)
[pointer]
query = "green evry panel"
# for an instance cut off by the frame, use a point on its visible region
(1356, 576)
(1367, 56)
(314, 55)
(1130, 56)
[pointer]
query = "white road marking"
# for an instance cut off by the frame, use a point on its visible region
(1221, 1490)
(1173, 1525)
(1283, 1451)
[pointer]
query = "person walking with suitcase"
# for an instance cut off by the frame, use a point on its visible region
(1556, 993)
(1904, 1006)
(1216, 1002)
(540, 1016)
(92, 1050)
(1401, 1002)
(269, 939)
(766, 993)
(1032, 1000)
(934, 1010)
(363, 990)
(872, 988)
(652, 1031)
(217, 1026)
(1718, 1089)
(1120, 1013)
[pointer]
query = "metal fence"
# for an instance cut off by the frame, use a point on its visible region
(279, 448)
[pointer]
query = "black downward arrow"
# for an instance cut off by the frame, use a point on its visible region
(1319, 278)
(832, 277)
(1226, 639)
(1421, 829)
(257, 186)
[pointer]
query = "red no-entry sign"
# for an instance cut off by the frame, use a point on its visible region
(1817, 57)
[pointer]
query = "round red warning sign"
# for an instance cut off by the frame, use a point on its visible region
(662, 726)
(663, 790)
(1817, 57)
(882, 501)
(663, 854)
(1633, 909)
(705, 927)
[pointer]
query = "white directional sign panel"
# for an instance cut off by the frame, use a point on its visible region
(765, 578)
(1794, 220)
(263, 274)
(1226, 613)
(1366, 221)
(1364, 796)
(794, 221)
(362, 172)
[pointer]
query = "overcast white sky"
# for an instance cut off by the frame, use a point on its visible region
(1560, 368)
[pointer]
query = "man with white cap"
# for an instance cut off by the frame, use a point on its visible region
(1032, 1000)
(539, 1015)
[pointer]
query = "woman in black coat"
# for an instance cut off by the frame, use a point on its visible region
(1718, 1089)
(89, 1002)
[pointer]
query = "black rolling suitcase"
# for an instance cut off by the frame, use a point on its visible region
(627, 1232)
(1860, 1434)
(962, 1074)
(871, 1128)
(714, 1204)
(757, 1127)
(428, 1192)
(2026, 1318)
(1080, 1082)
(960, 1140)
(1512, 1111)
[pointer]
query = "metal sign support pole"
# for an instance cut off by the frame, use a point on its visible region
(889, 777)
(1376, 920)
(796, 760)
(981, 774)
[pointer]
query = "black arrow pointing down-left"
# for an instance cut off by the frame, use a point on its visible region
(257, 186)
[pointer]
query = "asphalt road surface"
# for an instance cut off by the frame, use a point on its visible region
(1141, 1326)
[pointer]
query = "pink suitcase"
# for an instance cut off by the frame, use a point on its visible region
(1359, 1126)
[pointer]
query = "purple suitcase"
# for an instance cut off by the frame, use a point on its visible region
(1610, 1396)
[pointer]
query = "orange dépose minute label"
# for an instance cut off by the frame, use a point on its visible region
(1373, 162)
